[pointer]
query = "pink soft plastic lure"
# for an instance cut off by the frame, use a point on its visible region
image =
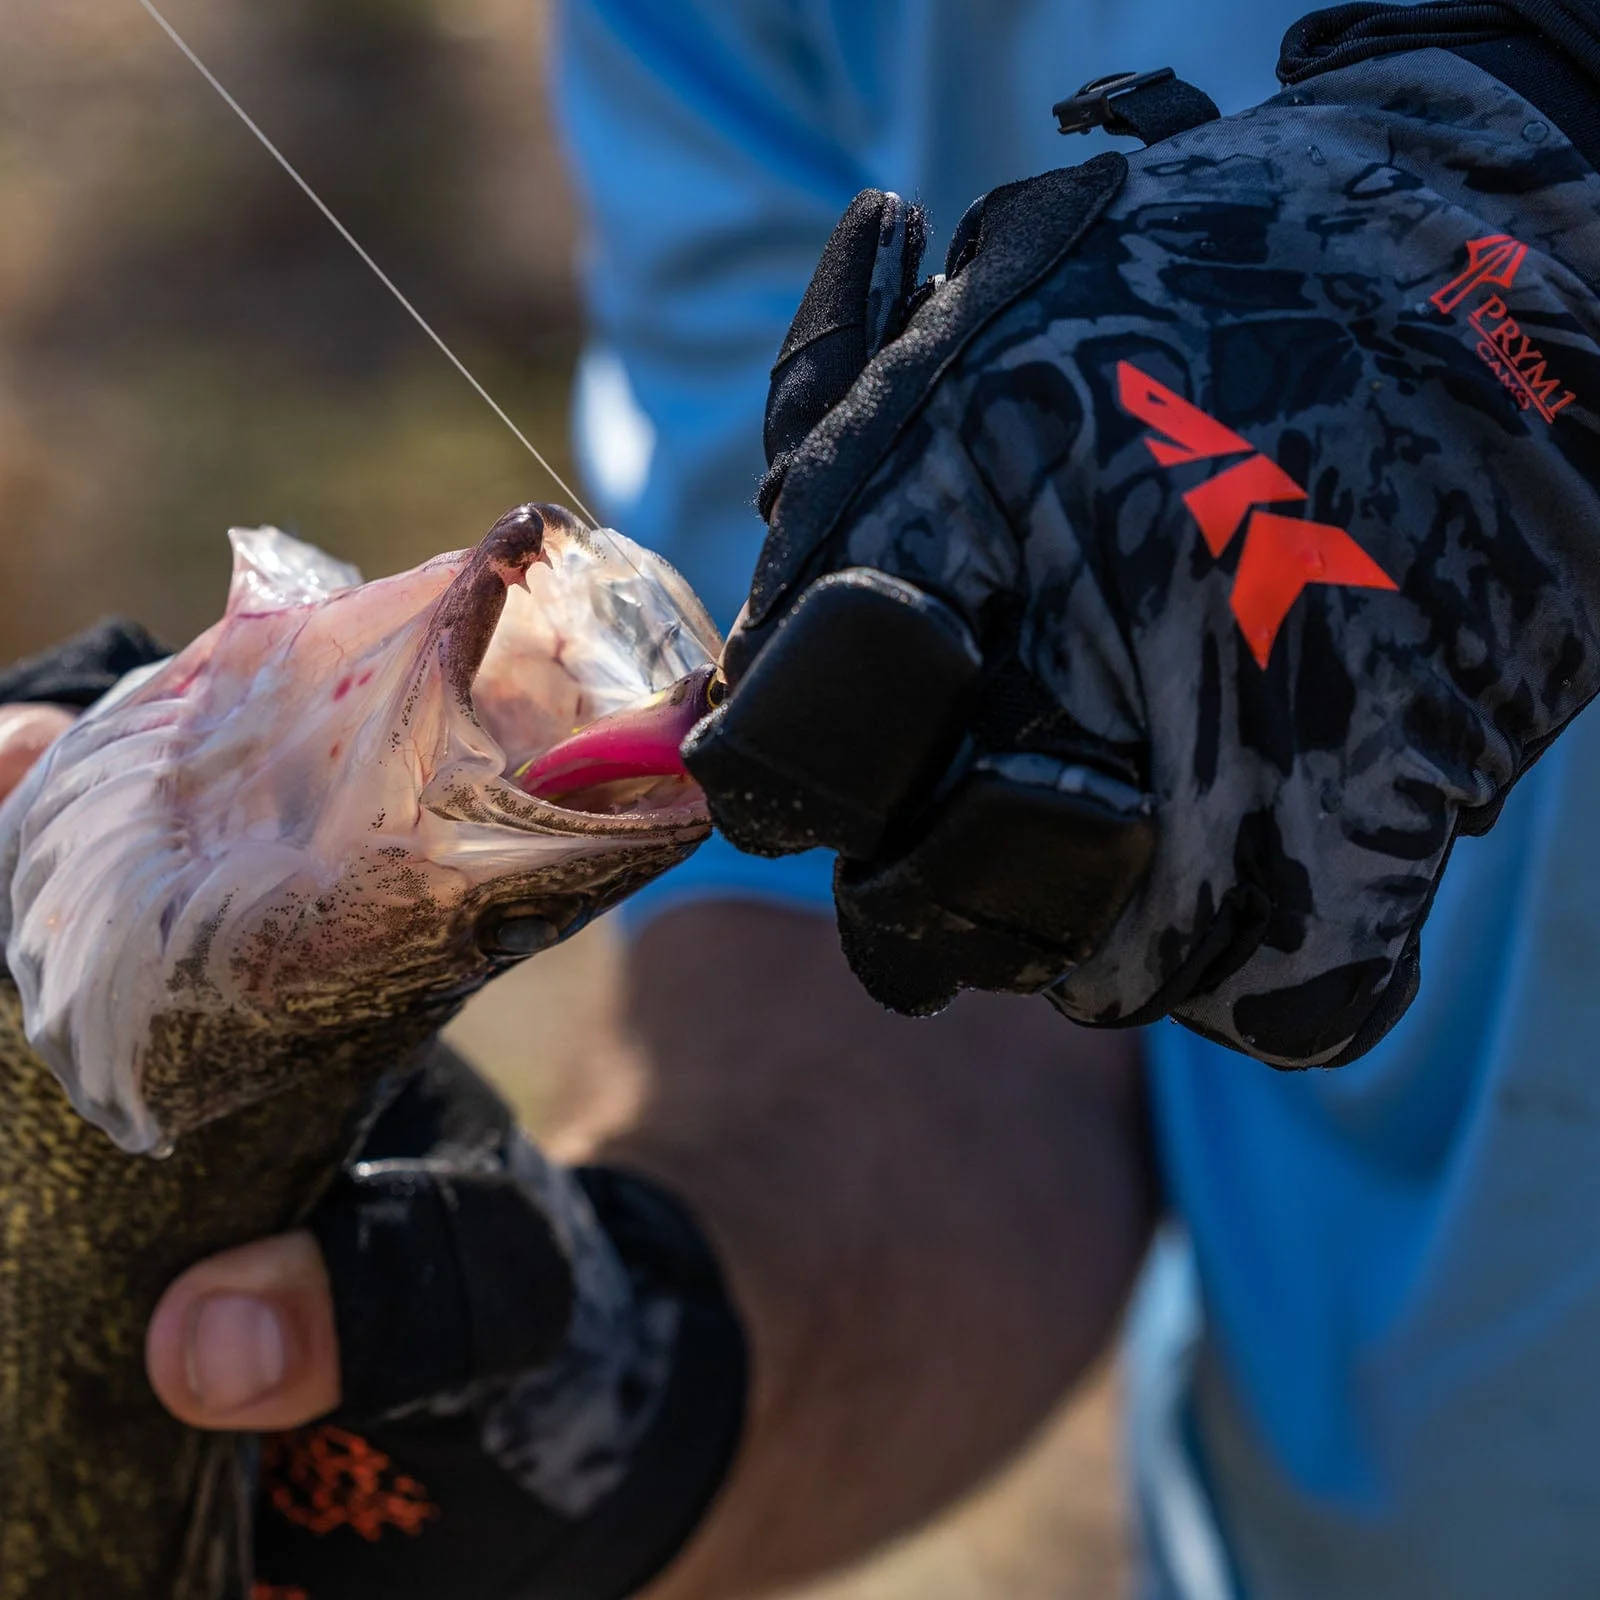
(639, 742)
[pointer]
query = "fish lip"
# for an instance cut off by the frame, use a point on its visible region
(512, 807)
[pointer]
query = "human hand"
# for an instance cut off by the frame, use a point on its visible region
(247, 1339)
(386, 1349)
(472, 1349)
(26, 732)
(489, 1364)
(1148, 617)
(417, 1276)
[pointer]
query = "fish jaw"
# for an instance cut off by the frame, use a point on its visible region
(308, 814)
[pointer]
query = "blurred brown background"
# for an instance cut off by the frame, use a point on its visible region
(185, 345)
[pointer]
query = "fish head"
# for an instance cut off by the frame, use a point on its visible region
(347, 802)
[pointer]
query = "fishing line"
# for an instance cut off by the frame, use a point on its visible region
(377, 271)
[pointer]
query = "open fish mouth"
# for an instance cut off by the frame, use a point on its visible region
(628, 761)
(347, 799)
(586, 677)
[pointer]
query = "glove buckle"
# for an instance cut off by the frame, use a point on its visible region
(1090, 107)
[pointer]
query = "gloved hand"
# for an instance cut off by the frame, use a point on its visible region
(510, 1378)
(1150, 602)
(541, 1379)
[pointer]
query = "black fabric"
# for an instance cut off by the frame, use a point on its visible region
(1546, 52)
(456, 1523)
(909, 959)
(1340, 36)
(1007, 883)
(681, 1464)
(1054, 857)
(1148, 106)
(853, 305)
(808, 757)
(1157, 111)
(81, 669)
(440, 1278)
(1028, 227)
(443, 1271)
(1574, 25)
(443, 1106)
(1160, 110)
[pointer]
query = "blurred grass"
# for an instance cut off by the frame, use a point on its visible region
(185, 345)
(185, 441)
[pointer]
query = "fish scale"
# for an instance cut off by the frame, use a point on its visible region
(98, 1485)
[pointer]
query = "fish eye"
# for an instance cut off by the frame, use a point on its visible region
(519, 934)
(716, 690)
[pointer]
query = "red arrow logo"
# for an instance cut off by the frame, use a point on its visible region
(1281, 554)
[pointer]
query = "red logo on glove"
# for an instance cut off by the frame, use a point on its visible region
(1503, 347)
(1495, 260)
(326, 1478)
(1281, 554)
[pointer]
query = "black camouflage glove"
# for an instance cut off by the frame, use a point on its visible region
(1218, 541)
(543, 1379)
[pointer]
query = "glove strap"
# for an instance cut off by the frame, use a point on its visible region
(1148, 106)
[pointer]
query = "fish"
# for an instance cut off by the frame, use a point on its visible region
(239, 897)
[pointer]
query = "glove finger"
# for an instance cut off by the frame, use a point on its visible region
(854, 704)
(440, 1279)
(1017, 875)
(854, 304)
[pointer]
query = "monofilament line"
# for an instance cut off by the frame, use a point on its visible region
(355, 244)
